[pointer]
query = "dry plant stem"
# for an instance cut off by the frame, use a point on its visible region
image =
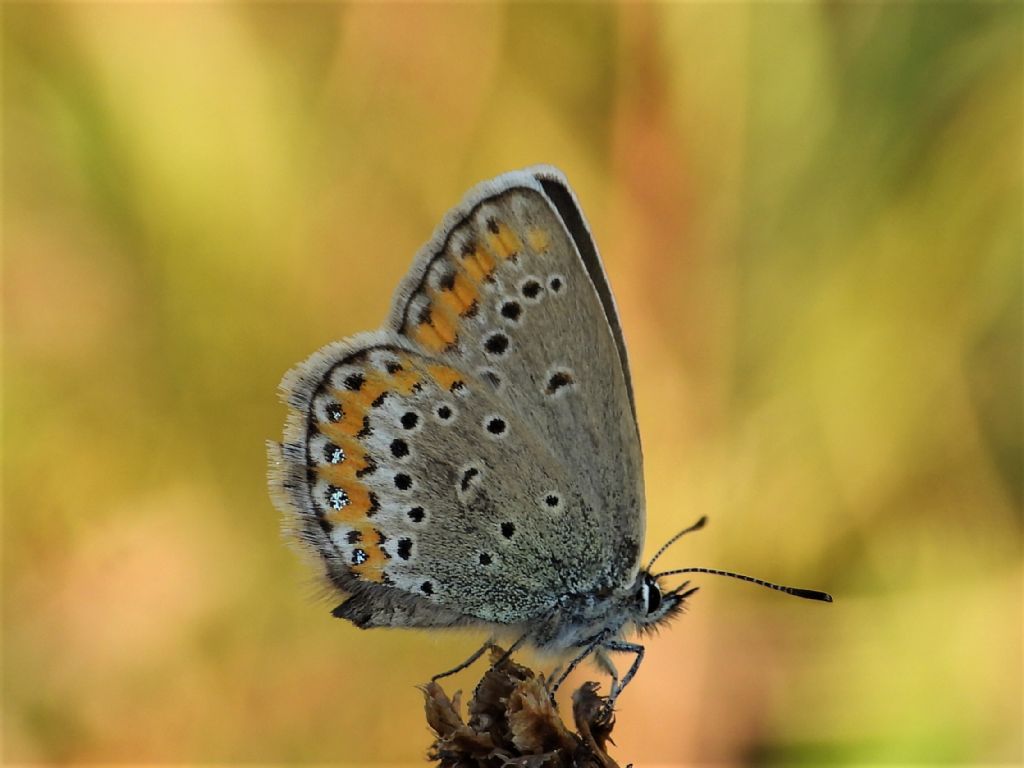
(512, 721)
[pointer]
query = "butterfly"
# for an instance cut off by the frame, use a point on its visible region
(476, 461)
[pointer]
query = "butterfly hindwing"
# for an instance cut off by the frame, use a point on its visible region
(418, 487)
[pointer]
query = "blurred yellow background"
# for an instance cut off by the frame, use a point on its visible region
(811, 218)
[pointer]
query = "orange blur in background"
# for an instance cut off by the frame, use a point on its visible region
(811, 219)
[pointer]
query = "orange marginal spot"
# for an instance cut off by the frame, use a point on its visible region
(448, 302)
(504, 242)
(373, 387)
(539, 239)
(485, 261)
(426, 336)
(358, 503)
(404, 380)
(371, 569)
(345, 472)
(444, 327)
(351, 423)
(466, 291)
(444, 376)
(474, 270)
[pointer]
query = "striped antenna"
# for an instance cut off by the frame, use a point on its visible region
(807, 594)
(695, 527)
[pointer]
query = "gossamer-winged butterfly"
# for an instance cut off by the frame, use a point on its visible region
(476, 461)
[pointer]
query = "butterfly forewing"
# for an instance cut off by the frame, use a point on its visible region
(503, 291)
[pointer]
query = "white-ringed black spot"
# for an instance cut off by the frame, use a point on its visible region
(507, 529)
(337, 498)
(496, 344)
(399, 448)
(531, 289)
(334, 412)
(410, 419)
(403, 482)
(333, 453)
(511, 311)
(556, 283)
(485, 559)
(557, 381)
(444, 412)
(359, 556)
(551, 500)
(427, 588)
(405, 548)
(495, 425)
(416, 514)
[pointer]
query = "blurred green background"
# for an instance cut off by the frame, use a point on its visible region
(811, 217)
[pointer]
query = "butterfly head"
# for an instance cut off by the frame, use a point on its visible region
(652, 605)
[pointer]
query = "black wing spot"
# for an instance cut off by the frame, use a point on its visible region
(399, 448)
(366, 430)
(416, 514)
(555, 284)
(496, 426)
(403, 482)
(379, 400)
(485, 559)
(507, 529)
(558, 380)
(333, 454)
(410, 419)
(446, 281)
(496, 344)
(334, 412)
(355, 381)
(511, 310)
(353, 537)
(374, 504)
(359, 556)
(392, 367)
(444, 412)
(337, 498)
(551, 500)
(427, 588)
(531, 289)
(467, 477)
(405, 548)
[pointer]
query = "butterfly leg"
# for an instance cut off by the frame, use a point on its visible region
(624, 647)
(588, 649)
(476, 655)
(605, 663)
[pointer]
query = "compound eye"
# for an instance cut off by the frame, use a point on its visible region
(651, 595)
